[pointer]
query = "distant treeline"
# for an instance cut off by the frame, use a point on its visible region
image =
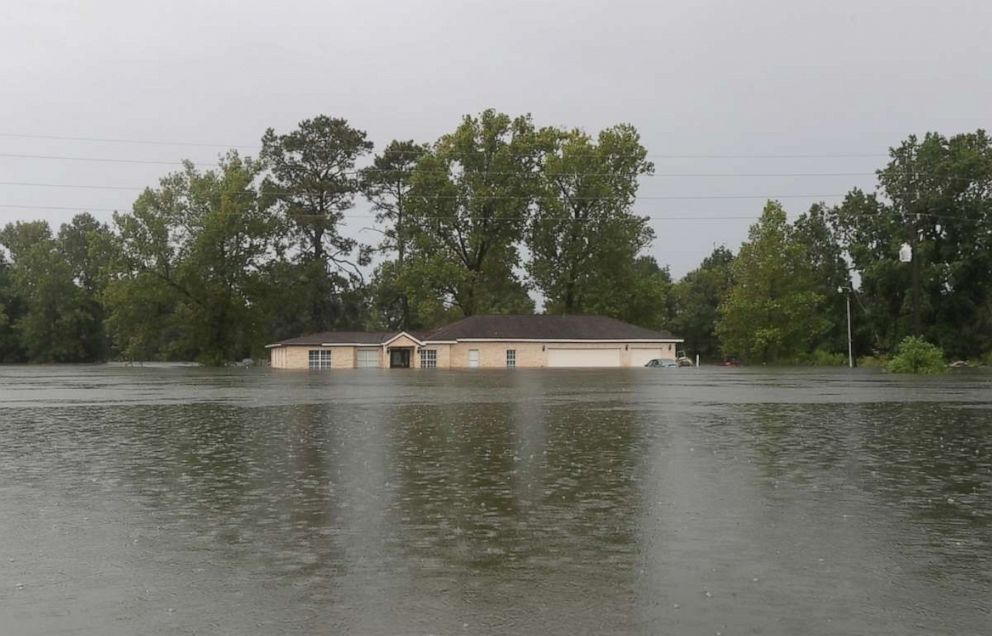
(211, 265)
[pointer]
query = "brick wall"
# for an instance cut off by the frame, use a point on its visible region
(298, 357)
(492, 355)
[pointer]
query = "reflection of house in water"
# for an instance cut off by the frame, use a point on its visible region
(483, 341)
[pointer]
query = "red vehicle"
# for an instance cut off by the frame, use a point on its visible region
(730, 362)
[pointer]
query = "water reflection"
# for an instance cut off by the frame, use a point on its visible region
(893, 492)
(521, 502)
(928, 464)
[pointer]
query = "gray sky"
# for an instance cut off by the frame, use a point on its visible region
(712, 77)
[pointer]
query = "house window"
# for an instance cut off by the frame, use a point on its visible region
(428, 358)
(511, 358)
(368, 358)
(320, 359)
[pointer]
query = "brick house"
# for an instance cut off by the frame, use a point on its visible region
(531, 341)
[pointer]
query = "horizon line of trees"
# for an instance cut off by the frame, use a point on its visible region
(211, 265)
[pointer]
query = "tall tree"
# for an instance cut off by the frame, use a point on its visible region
(583, 237)
(468, 207)
(773, 311)
(55, 323)
(312, 181)
(869, 232)
(386, 184)
(87, 246)
(831, 280)
(10, 346)
(697, 300)
(648, 299)
(403, 298)
(936, 195)
(190, 252)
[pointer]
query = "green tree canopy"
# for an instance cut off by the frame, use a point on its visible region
(386, 184)
(55, 320)
(647, 299)
(935, 194)
(773, 312)
(87, 245)
(697, 298)
(189, 255)
(4, 300)
(311, 181)
(469, 203)
(584, 240)
(830, 277)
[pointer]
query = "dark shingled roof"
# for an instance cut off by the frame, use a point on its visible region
(546, 327)
(349, 337)
(504, 327)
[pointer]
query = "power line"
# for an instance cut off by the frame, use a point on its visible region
(32, 184)
(829, 155)
(369, 170)
(144, 142)
(514, 218)
(849, 155)
(490, 197)
(486, 172)
(370, 216)
(151, 142)
(95, 159)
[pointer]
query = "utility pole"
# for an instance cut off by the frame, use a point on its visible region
(909, 252)
(915, 264)
(850, 344)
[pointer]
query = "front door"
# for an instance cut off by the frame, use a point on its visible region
(399, 358)
(473, 358)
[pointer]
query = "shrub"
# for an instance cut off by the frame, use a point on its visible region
(824, 358)
(873, 362)
(916, 355)
(986, 360)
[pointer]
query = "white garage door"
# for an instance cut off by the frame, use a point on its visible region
(583, 357)
(640, 357)
(368, 358)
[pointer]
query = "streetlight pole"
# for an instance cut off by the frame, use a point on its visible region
(907, 254)
(915, 281)
(850, 343)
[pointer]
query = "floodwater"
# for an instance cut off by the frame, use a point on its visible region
(641, 501)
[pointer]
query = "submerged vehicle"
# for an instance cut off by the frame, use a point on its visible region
(663, 363)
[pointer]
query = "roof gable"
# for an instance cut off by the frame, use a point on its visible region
(404, 334)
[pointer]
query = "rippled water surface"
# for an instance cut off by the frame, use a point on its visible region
(681, 501)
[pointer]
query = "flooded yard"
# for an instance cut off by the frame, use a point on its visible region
(642, 501)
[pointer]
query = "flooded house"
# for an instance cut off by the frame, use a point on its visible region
(489, 342)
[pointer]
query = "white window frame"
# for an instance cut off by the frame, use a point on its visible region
(319, 359)
(428, 358)
(511, 358)
(367, 353)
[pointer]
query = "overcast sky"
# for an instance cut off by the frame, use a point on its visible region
(843, 80)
